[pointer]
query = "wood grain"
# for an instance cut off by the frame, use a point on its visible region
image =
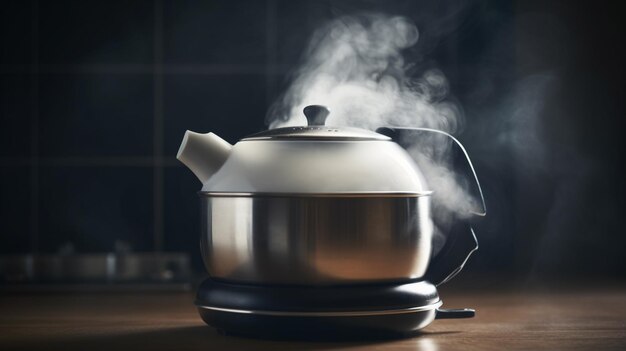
(505, 320)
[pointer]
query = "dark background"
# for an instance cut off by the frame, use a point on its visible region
(95, 97)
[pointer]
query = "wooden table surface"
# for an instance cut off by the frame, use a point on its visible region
(506, 320)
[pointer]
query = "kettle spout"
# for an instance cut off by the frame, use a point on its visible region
(203, 154)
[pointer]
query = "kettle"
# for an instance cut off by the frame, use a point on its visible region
(295, 218)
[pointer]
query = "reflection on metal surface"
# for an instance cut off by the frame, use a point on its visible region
(316, 240)
(329, 313)
(351, 194)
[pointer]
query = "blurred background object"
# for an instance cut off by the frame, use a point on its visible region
(95, 97)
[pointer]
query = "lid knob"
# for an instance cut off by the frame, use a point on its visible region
(316, 114)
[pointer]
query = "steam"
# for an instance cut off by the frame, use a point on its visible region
(355, 66)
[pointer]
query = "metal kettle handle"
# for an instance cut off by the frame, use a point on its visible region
(461, 162)
(461, 241)
(460, 244)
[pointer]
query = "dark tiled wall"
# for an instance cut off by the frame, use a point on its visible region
(95, 97)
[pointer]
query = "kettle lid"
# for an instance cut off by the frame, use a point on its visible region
(317, 130)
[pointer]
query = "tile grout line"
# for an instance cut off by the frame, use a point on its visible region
(270, 50)
(158, 128)
(207, 69)
(34, 151)
(123, 161)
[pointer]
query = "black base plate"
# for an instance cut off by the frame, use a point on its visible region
(335, 312)
(318, 328)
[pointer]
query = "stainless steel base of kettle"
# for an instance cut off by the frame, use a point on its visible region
(298, 312)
